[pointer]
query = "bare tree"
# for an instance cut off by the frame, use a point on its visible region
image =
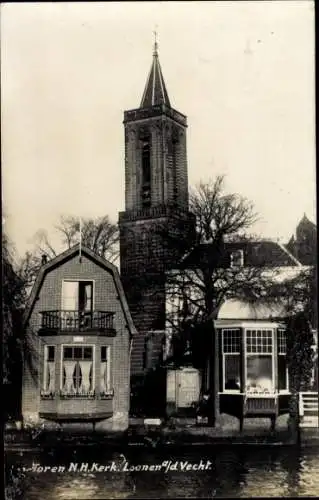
(100, 235)
(197, 288)
(16, 345)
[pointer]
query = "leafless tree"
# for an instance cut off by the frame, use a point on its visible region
(100, 235)
(196, 290)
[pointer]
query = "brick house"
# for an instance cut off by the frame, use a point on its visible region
(79, 326)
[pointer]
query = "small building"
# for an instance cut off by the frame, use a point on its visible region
(250, 368)
(80, 333)
(252, 364)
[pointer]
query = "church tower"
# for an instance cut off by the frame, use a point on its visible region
(156, 211)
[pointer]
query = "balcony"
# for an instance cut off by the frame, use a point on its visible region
(77, 394)
(77, 321)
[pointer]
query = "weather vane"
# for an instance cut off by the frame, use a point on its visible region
(155, 39)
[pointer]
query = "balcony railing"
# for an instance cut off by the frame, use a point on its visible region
(61, 320)
(260, 403)
(78, 394)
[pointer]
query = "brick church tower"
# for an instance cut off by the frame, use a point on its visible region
(156, 212)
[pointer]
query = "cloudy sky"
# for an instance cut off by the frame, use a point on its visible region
(242, 72)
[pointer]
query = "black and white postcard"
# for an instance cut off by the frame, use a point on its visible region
(159, 250)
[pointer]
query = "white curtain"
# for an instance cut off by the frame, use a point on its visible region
(85, 369)
(104, 384)
(70, 295)
(69, 369)
(50, 381)
(88, 297)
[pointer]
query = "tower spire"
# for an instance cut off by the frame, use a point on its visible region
(155, 90)
(155, 53)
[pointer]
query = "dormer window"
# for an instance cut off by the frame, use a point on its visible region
(237, 259)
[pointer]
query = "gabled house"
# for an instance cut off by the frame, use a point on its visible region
(80, 334)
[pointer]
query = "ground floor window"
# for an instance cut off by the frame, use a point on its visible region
(49, 370)
(259, 361)
(77, 370)
(282, 360)
(105, 379)
(85, 371)
(259, 373)
(257, 354)
(231, 359)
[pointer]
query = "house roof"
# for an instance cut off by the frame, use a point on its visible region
(234, 309)
(262, 253)
(63, 257)
(155, 90)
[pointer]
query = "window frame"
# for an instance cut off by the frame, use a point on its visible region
(146, 167)
(109, 385)
(224, 354)
(45, 361)
(93, 362)
(79, 280)
(284, 355)
(269, 354)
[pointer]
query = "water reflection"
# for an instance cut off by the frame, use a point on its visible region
(234, 472)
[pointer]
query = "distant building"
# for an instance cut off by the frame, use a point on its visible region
(80, 329)
(303, 245)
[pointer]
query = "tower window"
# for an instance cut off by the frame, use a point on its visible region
(146, 173)
(174, 158)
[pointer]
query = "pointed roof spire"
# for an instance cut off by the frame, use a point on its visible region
(155, 90)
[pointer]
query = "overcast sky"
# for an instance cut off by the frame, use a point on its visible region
(242, 72)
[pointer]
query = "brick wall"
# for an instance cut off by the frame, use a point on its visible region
(168, 166)
(144, 253)
(106, 299)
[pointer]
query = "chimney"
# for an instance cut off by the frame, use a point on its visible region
(44, 260)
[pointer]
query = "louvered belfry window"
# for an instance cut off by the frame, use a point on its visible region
(146, 172)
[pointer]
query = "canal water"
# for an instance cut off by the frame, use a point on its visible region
(240, 472)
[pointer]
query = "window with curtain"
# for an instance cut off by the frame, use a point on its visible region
(259, 361)
(77, 304)
(282, 360)
(77, 370)
(231, 359)
(105, 374)
(49, 370)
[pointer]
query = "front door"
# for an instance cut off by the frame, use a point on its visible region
(188, 387)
